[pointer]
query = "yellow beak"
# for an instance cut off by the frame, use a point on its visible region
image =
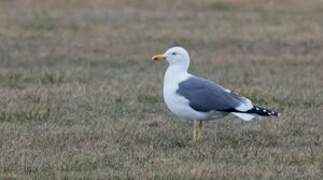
(158, 57)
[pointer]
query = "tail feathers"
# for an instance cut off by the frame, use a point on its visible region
(244, 116)
(252, 113)
(262, 111)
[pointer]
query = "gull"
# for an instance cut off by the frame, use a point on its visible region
(194, 98)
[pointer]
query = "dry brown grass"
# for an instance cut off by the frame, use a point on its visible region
(80, 98)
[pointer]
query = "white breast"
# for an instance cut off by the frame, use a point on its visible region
(176, 103)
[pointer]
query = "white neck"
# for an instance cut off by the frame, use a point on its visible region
(175, 74)
(177, 68)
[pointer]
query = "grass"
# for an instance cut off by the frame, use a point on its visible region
(81, 99)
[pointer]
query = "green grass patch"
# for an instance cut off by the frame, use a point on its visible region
(222, 6)
(41, 21)
(25, 116)
(267, 99)
(21, 80)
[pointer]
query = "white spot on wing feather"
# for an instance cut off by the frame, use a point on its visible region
(245, 106)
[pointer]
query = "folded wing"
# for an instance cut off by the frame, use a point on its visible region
(205, 96)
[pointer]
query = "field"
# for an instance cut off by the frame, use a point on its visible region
(80, 97)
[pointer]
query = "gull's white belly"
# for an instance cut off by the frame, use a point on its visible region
(180, 107)
(178, 104)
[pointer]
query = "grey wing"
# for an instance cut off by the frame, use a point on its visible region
(205, 95)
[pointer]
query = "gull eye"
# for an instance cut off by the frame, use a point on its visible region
(174, 53)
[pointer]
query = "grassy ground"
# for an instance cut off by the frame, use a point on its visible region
(81, 99)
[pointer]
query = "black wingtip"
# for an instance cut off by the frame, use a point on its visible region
(263, 111)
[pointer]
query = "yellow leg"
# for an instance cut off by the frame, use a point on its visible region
(197, 131)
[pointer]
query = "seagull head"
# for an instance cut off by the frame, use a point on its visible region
(175, 56)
